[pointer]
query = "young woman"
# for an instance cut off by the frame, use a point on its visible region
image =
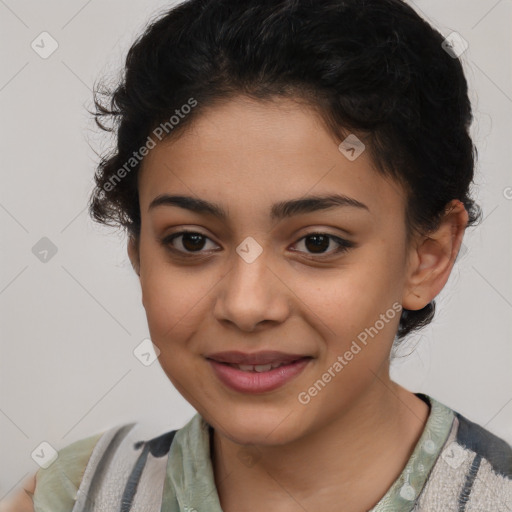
(294, 180)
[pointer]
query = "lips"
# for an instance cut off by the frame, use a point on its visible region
(267, 357)
(257, 372)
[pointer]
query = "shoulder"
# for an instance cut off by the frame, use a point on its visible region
(57, 485)
(486, 446)
(473, 471)
(106, 467)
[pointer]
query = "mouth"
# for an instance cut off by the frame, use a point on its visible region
(259, 372)
(259, 368)
(262, 358)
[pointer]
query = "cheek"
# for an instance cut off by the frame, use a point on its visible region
(173, 298)
(359, 302)
(174, 302)
(348, 298)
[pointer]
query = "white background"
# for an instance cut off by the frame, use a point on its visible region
(69, 326)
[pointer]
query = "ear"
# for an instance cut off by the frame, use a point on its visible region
(431, 258)
(133, 254)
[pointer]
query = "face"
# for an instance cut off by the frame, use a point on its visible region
(304, 281)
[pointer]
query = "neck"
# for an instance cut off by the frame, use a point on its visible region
(353, 459)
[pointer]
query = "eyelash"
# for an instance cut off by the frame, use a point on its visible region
(344, 245)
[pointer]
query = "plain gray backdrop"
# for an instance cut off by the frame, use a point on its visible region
(72, 316)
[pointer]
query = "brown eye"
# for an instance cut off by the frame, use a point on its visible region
(319, 243)
(191, 242)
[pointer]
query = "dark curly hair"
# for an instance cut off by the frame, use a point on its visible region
(374, 68)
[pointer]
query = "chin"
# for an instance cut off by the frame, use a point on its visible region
(269, 428)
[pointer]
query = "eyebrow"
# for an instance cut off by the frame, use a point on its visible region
(279, 210)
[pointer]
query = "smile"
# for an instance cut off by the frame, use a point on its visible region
(255, 367)
(252, 379)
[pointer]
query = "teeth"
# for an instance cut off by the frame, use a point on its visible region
(257, 367)
(262, 367)
(244, 367)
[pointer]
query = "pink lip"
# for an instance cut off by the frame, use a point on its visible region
(257, 382)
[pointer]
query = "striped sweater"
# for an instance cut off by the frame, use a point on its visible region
(456, 465)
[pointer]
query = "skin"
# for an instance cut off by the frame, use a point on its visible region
(246, 155)
(352, 440)
(20, 500)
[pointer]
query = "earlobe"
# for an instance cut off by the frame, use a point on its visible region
(432, 260)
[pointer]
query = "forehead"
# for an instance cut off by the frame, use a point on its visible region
(249, 154)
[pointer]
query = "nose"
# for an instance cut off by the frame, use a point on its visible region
(252, 295)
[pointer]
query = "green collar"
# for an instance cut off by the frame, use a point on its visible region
(404, 491)
(190, 484)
